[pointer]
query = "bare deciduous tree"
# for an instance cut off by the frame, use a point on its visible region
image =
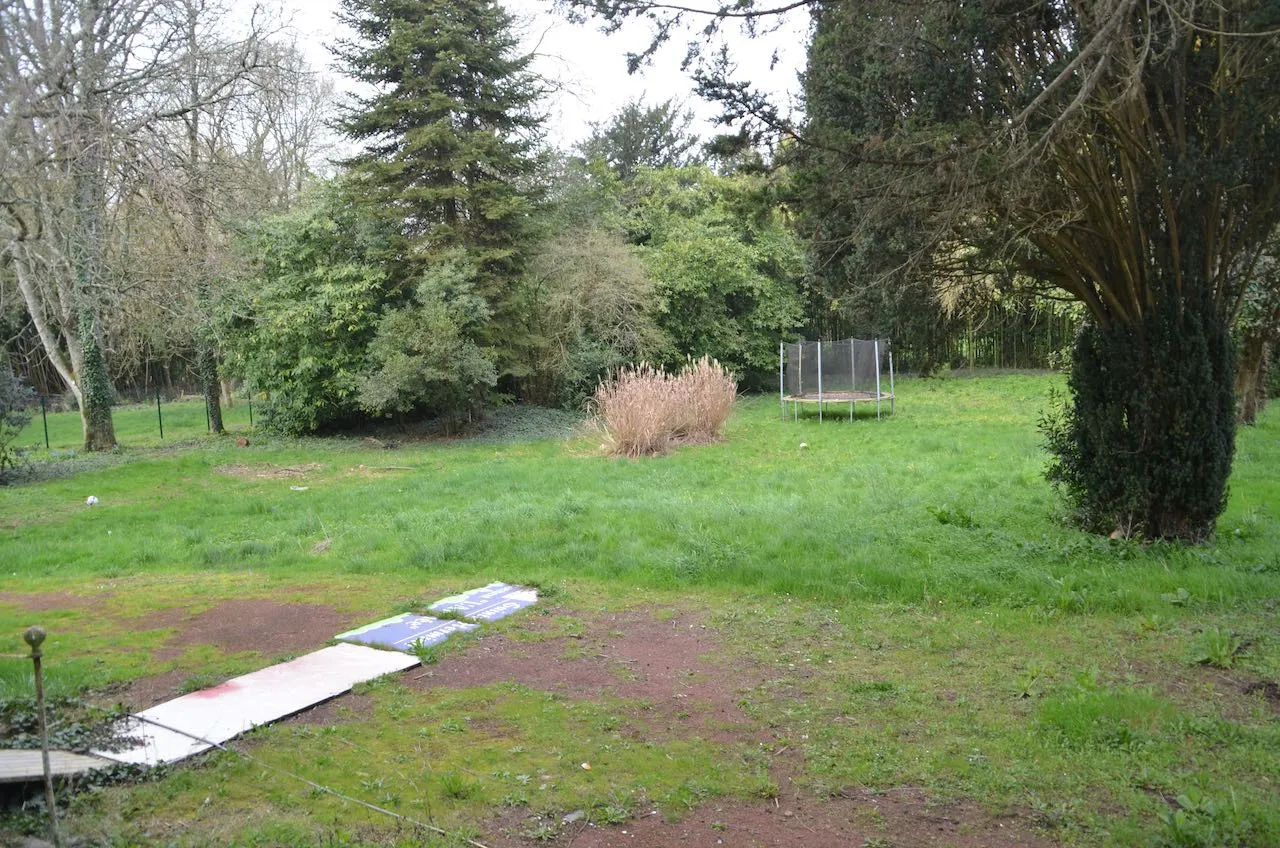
(85, 86)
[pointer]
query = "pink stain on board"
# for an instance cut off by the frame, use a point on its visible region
(217, 691)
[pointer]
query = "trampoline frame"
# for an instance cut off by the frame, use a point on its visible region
(852, 398)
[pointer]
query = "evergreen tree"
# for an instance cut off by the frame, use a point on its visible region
(449, 147)
(1122, 153)
(640, 136)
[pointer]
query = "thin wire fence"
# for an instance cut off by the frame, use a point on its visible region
(56, 426)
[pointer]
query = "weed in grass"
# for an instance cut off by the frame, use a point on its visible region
(458, 786)
(426, 654)
(1073, 595)
(1216, 647)
(1031, 681)
(1200, 821)
(1271, 566)
(953, 516)
(1153, 623)
(540, 830)
(616, 810)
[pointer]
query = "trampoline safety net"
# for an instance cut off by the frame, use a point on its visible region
(844, 371)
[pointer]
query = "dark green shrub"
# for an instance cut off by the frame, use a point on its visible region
(1144, 443)
(15, 399)
(424, 358)
(299, 324)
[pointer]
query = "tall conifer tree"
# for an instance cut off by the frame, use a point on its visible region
(449, 133)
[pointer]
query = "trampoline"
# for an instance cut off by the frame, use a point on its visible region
(850, 371)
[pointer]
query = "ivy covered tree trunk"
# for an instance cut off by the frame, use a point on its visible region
(1251, 377)
(88, 261)
(95, 388)
(210, 385)
(1145, 446)
(198, 238)
(1259, 332)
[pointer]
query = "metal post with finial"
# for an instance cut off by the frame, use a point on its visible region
(35, 637)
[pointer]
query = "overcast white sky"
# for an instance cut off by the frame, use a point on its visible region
(590, 66)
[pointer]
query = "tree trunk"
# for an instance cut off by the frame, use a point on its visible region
(95, 403)
(210, 387)
(1251, 393)
(198, 244)
(85, 247)
(64, 362)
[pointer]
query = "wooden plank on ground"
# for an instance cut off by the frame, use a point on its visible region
(27, 767)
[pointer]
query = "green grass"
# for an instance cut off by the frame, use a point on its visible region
(136, 425)
(954, 632)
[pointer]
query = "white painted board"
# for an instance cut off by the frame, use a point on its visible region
(243, 703)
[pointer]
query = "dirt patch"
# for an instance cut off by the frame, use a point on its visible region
(264, 626)
(333, 711)
(1230, 693)
(689, 682)
(51, 601)
(164, 619)
(903, 818)
(233, 626)
(371, 471)
(1268, 689)
(267, 472)
(678, 671)
(146, 692)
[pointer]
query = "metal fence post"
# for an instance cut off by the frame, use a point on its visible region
(34, 637)
(159, 414)
(44, 416)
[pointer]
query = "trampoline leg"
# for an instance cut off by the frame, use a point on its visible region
(892, 393)
(850, 412)
(877, 349)
(782, 382)
(819, 380)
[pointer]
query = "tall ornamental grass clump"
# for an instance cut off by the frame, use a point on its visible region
(647, 411)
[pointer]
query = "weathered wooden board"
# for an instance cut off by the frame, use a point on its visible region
(27, 767)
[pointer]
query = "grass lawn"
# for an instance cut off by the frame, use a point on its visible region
(137, 425)
(835, 633)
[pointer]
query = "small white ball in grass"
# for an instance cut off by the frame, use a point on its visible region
(804, 445)
(92, 500)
